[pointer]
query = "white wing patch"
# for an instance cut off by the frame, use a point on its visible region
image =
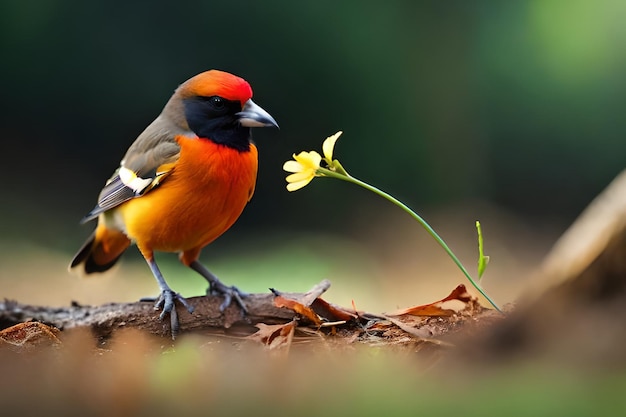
(132, 181)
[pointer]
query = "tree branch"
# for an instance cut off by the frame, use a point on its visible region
(105, 319)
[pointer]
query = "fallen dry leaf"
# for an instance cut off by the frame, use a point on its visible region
(332, 312)
(276, 335)
(298, 308)
(412, 329)
(453, 303)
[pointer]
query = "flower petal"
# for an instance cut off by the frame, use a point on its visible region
(329, 145)
(293, 166)
(310, 160)
(293, 186)
(300, 176)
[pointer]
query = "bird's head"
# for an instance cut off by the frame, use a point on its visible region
(217, 105)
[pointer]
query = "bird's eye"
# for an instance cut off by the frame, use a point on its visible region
(217, 102)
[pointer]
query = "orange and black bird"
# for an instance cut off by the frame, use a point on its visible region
(182, 183)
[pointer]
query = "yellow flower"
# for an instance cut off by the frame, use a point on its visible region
(328, 146)
(304, 168)
(306, 165)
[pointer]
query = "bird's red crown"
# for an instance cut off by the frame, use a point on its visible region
(217, 83)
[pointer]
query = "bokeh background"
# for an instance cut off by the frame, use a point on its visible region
(507, 112)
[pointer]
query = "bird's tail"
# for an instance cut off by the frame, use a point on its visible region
(101, 251)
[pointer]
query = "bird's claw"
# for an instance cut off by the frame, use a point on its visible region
(230, 293)
(166, 303)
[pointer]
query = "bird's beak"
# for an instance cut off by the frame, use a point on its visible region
(254, 116)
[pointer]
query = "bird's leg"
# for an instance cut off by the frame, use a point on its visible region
(218, 287)
(166, 298)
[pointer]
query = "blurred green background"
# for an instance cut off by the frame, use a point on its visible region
(460, 109)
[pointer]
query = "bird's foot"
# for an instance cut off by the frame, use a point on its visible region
(166, 303)
(230, 293)
(216, 287)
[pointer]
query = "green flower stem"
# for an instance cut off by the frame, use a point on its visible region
(328, 173)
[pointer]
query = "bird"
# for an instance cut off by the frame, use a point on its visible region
(182, 183)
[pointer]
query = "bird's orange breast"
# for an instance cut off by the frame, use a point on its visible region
(203, 196)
